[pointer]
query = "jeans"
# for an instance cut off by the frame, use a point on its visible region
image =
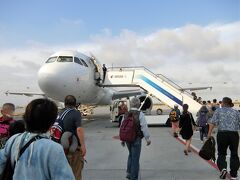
(133, 158)
(227, 139)
(203, 132)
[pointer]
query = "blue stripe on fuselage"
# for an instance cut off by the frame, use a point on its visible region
(157, 87)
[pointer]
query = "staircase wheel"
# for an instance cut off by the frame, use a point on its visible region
(159, 111)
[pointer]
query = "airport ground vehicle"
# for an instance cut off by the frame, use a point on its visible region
(114, 110)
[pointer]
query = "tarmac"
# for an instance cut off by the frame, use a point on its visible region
(162, 160)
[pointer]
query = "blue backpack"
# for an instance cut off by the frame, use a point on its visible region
(202, 120)
(57, 128)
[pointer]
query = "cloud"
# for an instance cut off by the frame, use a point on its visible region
(192, 54)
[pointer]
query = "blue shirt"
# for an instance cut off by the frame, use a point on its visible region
(42, 160)
(226, 118)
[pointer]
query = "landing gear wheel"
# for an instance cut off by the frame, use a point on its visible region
(159, 111)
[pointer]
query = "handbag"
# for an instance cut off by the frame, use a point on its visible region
(9, 169)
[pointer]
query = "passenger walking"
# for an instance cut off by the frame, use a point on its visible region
(32, 154)
(174, 117)
(5, 121)
(227, 121)
(134, 147)
(186, 126)
(104, 72)
(202, 119)
(72, 123)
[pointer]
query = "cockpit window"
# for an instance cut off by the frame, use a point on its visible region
(84, 63)
(76, 60)
(65, 59)
(51, 59)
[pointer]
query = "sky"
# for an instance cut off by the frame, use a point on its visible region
(192, 42)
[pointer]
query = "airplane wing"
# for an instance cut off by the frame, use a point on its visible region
(30, 94)
(196, 88)
(127, 94)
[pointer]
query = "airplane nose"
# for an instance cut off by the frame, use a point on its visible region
(47, 80)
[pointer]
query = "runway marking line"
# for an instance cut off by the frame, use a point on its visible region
(196, 151)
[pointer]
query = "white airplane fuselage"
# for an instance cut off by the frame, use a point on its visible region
(64, 75)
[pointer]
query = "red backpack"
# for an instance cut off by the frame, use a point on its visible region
(128, 128)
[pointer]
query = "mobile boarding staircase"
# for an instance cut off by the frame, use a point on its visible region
(159, 86)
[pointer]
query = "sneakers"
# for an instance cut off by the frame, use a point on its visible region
(175, 135)
(128, 176)
(185, 152)
(223, 174)
(234, 178)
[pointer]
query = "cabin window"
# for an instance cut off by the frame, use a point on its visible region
(84, 63)
(77, 60)
(51, 59)
(65, 59)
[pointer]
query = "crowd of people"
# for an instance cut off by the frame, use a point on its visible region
(216, 114)
(28, 146)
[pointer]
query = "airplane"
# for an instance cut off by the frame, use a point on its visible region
(73, 73)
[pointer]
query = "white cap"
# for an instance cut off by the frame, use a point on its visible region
(175, 105)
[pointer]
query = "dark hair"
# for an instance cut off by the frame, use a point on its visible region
(227, 101)
(40, 115)
(204, 102)
(9, 104)
(185, 106)
(16, 127)
(70, 100)
(214, 100)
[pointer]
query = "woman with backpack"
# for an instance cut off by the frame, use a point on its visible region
(202, 122)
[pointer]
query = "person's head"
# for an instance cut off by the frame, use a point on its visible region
(135, 103)
(209, 102)
(185, 107)
(103, 65)
(204, 102)
(175, 106)
(70, 101)
(227, 102)
(214, 100)
(7, 110)
(16, 127)
(40, 114)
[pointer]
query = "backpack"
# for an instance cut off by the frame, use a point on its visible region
(4, 132)
(128, 129)
(173, 116)
(207, 151)
(8, 170)
(202, 119)
(57, 128)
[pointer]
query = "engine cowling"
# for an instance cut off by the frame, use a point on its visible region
(147, 104)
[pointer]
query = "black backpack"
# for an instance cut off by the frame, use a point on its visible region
(207, 151)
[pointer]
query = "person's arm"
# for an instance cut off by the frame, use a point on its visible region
(210, 129)
(192, 119)
(212, 123)
(80, 133)
(144, 128)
